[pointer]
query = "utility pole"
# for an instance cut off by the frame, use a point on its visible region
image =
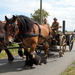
(40, 11)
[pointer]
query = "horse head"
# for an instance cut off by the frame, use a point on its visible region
(11, 28)
(17, 25)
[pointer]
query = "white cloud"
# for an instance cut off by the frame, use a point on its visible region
(62, 9)
(2, 16)
(62, 13)
(26, 6)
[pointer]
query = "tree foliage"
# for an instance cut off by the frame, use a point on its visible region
(74, 30)
(36, 15)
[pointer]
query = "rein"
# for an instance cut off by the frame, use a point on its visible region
(22, 41)
(10, 34)
(26, 36)
(29, 35)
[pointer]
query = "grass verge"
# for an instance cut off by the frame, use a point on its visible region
(70, 70)
(13, 51)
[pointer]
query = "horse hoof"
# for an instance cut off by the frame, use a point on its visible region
(27, 67)
(43, 60)
(20, 52)
(41, 64)
(61, 55)
(24, 57)
(11, 59)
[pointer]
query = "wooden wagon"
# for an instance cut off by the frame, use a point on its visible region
(62, 40)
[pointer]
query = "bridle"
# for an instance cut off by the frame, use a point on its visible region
(15, 28)
(13, 35)
(10, 34)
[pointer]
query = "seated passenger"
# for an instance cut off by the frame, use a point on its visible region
(55, 26)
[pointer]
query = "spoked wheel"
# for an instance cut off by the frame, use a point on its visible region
(71, 42)
(62, 45)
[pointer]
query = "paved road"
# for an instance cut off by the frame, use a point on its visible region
(55, 65)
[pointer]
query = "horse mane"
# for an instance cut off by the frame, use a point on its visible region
(26, 24)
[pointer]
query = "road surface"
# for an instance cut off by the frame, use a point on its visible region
(55, 65)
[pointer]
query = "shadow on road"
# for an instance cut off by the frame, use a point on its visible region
(11, 67)
(18, 64)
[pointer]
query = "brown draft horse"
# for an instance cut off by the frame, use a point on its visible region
(29, 34)
(3, 46)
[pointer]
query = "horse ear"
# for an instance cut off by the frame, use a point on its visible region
(6, 19)
(14, 18)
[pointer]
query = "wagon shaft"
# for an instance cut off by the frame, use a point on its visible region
(1, 47)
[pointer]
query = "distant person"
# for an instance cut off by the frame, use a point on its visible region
(55, 26)
(45, 22)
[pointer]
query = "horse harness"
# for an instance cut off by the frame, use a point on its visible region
(33, 35)
(28, 35)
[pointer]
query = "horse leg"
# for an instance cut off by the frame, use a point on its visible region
(46, 48)
(31, 58)
(28, 62)
(0, 50)
(10, 56)
(46, 53)
(20, 51)
(35, 59)
(27, 59)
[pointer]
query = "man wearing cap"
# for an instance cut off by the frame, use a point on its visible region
(55, 26)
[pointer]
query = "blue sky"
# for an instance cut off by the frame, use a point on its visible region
(61, 9)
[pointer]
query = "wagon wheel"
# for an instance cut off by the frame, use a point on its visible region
(71, 43)
(38, 49)
(62, 45)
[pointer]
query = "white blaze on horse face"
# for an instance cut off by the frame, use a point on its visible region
(10, 39)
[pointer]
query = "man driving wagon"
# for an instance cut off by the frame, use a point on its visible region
(55, 26)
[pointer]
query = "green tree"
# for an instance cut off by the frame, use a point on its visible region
(36, 15)
(74, 30)
(66, 31)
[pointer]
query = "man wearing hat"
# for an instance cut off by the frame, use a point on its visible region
(55, 26)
